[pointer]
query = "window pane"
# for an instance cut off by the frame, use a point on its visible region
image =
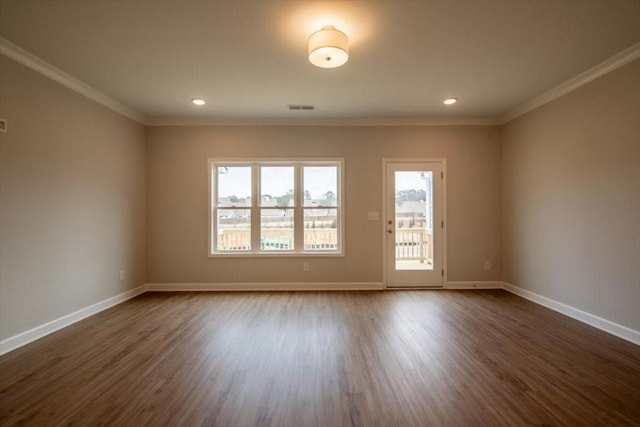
(320, 186)
(414, 220)
(320, 229)
(234, 229)
(276, 229)
(276, 186)
(234, 186)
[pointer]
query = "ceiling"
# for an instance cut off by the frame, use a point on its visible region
(248, 58)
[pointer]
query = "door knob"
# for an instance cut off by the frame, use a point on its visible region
(389, 231)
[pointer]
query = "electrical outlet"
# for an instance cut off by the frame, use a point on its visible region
(121, 274)
(305, 266)
(487, 265)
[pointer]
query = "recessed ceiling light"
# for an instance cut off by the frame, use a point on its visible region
(198, 101)
(450, 101)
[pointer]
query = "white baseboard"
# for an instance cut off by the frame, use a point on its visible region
(588, 318)
(303, 286)
(265, 286)
(474, 285)
(26, 337)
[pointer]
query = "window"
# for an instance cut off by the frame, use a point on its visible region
(276, 208)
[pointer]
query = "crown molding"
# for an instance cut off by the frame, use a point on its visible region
(620, 59)
(39, 65)
(436, 121)
(42, 67)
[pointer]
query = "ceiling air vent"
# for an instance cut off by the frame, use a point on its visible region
(301, 107)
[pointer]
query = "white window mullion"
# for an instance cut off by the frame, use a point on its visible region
(340, 205)
(213, 206)
(255, 207)
(298, 214)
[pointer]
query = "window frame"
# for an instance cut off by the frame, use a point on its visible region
(255, 208)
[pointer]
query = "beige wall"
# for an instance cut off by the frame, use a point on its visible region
(571, 198)
(74, 208)
(178, 212)
(72, 201)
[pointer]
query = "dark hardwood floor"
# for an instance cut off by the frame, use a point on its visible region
(398, 358)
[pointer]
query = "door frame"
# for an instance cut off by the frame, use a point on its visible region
(383, 228)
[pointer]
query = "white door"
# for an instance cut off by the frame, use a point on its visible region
(414, 224)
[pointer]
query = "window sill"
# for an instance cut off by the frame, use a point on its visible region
(278, 255)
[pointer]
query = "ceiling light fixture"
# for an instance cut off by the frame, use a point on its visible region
(450, 101)
(198, 101)
(328, 48)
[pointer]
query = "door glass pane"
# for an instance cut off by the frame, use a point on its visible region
(276, 186)
(276, 229)
(320, 186)
(234, 229)
(234, 186)
(414, 220)
(320, 229)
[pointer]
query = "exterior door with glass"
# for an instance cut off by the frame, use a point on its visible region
(414, 224)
